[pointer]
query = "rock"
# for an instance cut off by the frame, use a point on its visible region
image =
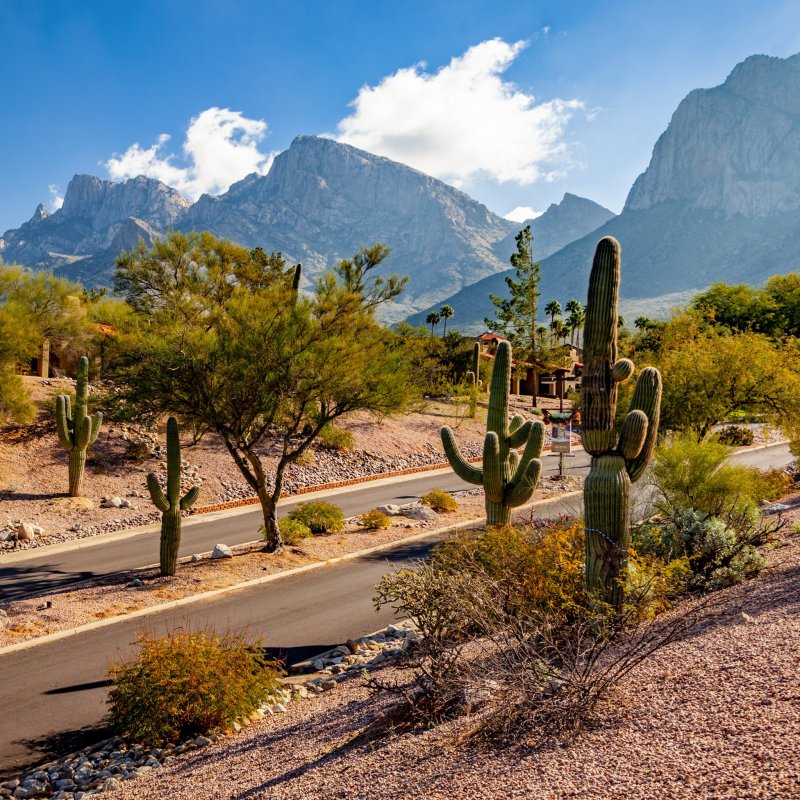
(421, 513)
(125, 503)
(222, 551)
(389, 509)
(135, 582)
(26, 531)
(352, 646)
(195, 558)
(112, 502)
(319, 665)
(201, 741)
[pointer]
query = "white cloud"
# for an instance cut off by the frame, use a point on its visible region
(522, 213)
(463, 121)
(220, 148)
(56, 198)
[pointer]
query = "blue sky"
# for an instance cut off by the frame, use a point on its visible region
(515, 102)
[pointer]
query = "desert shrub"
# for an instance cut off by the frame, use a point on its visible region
(693, 476)
(292, 531)
(188, 683)
(439, 500)
(777, 483)
(319, 516)
(375, 520)
(336, 438)
(508, 632)
(735, 436)
(705, 552)
(137, 450)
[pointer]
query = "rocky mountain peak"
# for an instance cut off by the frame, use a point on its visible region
(732, 148)
(38, 215)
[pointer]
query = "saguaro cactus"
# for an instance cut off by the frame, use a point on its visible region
(508, 479)
(617, 461)
(79, 430)
(172, 504)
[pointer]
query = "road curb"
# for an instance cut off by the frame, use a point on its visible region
(198, 598)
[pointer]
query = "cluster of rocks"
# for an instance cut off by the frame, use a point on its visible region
(415, 511)
(105, 765)
(93, 769)
(17, 531)
(357, 656)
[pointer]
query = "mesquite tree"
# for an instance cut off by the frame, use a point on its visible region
(508, 480)
(618, 458)
(229, 345)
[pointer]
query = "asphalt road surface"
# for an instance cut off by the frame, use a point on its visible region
(93, 560)
(53, 697)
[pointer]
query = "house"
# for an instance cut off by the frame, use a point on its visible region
(56, 360)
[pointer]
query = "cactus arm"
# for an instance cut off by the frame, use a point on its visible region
(189, 499)
(156, 494)
(520, 435)
(466, 471)
(533, 447)
(493, 483)
(521, 488)
(646, 398)
(97, 421)
(622, 370)
(62, 422)
(513, 461)
(516, 422)
(632, 434)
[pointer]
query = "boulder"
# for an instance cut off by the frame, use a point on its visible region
(27, 532)
(222, 551)
(111, 502)
(390, 510)
(421, 513)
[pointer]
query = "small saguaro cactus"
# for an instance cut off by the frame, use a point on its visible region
(171, 504)
(617, 460)
(476, 364)
(78, 430)
(508, 479)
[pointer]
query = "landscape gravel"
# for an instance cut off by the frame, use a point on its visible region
(714, 716)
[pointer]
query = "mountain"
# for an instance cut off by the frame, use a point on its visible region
(317, 204)
(718, 201)
(322, 199)
(97, 219)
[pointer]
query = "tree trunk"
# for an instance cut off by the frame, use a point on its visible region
(272, 532)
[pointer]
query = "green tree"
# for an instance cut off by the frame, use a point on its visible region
(575, 320)
(446, 312)
(553, 308)
(229, 344)
(516, 315)
(433, 320)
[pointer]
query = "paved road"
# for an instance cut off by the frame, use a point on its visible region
(93, 560)
(53, 695)
(53, 690)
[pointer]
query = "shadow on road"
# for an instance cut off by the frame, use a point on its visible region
(54, 745)
(79, 687)
(19, 582)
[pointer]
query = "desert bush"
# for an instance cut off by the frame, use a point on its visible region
(693, 476)
(292, 531)
(188, 683)
(375, 520)
(319, 516)
(336, 438)
(777, 483)
(735, 436)
(137, 450)
(520, 650)
(439, 500)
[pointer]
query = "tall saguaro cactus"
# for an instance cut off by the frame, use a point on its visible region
(171, 504)
(617, 460)
(508, 479)
(78, 430)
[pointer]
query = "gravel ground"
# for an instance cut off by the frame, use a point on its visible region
(715, 716)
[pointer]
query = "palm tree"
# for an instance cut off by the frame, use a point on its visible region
(553, 308)
(572, 306)
(446, 312)
(575, 322)
(433, 320)
(541, 332)
(561, 330)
